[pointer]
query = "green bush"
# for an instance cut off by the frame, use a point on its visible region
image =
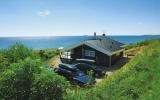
(3, 62)
(49, 86)
(48, 53)
(22, 76)
(28, 79)
(15, 53)
(16, 82)
(3, 66)
(18, 52)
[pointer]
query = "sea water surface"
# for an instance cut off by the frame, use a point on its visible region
(64, 41)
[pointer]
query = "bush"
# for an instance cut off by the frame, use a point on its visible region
(48, 53)
(16, 82)
(49, 86)
(3, 62)
(3, 66)
(18, 52)
(28, 80)
(22, 76)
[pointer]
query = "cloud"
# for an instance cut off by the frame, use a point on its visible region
(44, 13)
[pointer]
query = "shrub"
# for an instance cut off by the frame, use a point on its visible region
(3, 62)
(49, 86)
(18, 52)
(3, 66)
(28, 80)
(16, 82)
(48, 53)
(22, 76)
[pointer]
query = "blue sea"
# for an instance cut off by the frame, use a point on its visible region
(64, 41)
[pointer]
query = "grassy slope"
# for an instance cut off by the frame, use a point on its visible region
(139, 79)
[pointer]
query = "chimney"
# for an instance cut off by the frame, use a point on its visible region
(103, 34)
(94, 34)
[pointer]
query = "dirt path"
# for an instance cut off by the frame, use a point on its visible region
(54, 61)
(132, 52)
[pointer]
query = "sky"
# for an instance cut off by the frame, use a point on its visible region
(79, 17)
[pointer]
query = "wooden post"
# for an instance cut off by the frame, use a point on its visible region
(67, 56)
(109, 61)
(82, 52)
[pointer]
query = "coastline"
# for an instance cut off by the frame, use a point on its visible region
(47, 42)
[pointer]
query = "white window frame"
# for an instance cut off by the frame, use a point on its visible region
(89, 53)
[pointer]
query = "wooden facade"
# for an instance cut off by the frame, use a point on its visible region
(100, 58)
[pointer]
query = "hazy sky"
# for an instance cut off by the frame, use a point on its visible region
(79, 17)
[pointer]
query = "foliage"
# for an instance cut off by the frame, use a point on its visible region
(139, 79)
(27, 80)
(47, 87)
(3, 62)
(16, 82)
(18, 52)
(48, 53)
(90, 73)
(15, 53)
(22, 76)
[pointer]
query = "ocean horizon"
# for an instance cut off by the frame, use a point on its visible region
(45, 42)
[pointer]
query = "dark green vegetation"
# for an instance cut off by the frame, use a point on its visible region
(23, 77)
(138, 79)
(48, 53)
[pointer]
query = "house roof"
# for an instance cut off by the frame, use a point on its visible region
(103, 44)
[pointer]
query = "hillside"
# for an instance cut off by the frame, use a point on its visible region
(138, 79)
(24, 76)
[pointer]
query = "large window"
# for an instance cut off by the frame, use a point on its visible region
(89, 53)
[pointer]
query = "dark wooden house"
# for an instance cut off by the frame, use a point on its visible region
(101, 49)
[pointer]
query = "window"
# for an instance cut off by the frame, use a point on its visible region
(66, 54)
(89, 53)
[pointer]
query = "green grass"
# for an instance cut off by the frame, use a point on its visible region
(141, 43)
(138, 79)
